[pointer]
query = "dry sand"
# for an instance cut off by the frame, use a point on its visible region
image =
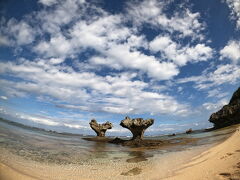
(219, 162)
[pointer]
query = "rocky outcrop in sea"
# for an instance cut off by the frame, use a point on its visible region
(136, 126)
(100, 129)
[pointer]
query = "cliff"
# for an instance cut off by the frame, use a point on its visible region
(229, 114)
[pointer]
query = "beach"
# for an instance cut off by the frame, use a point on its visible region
(219, 162)
(214, 160)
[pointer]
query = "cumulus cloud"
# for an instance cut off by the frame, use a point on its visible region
(87, 91)
(21, 31)
(58, 46)
(152, 12)
(66, 34)
(178, 53)
(234, 6)
(106, 34)
(231, 51)
(88, 59)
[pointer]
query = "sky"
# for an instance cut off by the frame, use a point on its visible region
(65, 62)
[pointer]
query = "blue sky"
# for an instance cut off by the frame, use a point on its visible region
(64, 62)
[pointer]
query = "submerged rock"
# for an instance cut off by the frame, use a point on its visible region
(149, 143)
(229, 114)
(136, 126)
(100, 129)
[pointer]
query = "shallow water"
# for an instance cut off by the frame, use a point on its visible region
(50, 155)
(50, 147)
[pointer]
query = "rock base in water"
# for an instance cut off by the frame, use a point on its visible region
(146, 143)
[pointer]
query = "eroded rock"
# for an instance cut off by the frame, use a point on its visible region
(136, 126)
(189, 131)
(229, 114)
(100, 129)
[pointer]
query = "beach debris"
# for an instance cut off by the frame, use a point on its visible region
(100, 129)
(229, 114)
(189, 131)
(136, 126)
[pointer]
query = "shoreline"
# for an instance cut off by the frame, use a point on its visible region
(222, 161)
(219, 162)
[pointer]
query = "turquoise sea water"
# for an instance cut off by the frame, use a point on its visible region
(51, 147)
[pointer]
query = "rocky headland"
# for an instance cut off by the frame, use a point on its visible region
(229, 114)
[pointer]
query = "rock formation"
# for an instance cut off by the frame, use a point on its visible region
(100, 129)
(189, 131)
(229, 114)
(136, 126)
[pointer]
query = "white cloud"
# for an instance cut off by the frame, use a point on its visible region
(76, 126)
(41, 120)
(53, 19)
(105, 36)
(124, 57)
(4, 97)
(224, 74)
(22, 32)
(217, 93)
(70, 28)
(58, 46)
(215, 106)
(234, 6)
(4, 41)
(56, 60)
(48, 2)
(115, 94)
(69, 120)
(152, 12)
(117, 45)
(231, 51)
(178, 53)
(161, 42)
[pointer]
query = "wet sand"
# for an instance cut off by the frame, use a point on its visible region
(219, 162)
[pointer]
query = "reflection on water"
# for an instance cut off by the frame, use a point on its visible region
(51, 147)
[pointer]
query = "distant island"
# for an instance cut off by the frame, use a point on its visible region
(36, 128)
